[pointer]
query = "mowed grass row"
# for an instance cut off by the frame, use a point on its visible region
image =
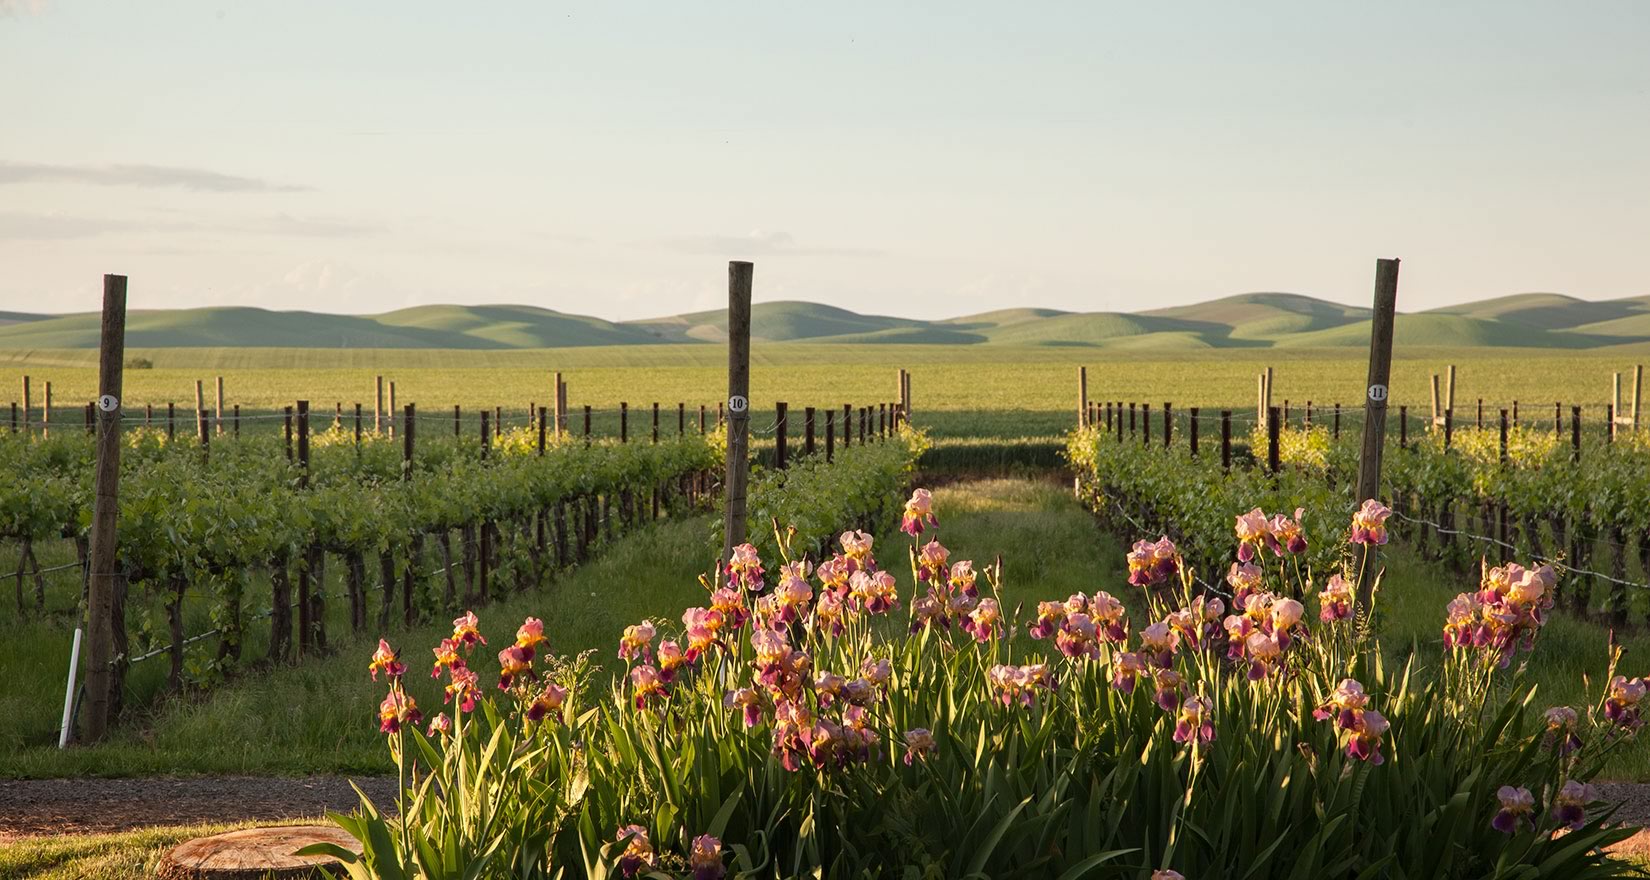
(998, 391)
(321, 716)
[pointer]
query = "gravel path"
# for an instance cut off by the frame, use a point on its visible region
(31, 807)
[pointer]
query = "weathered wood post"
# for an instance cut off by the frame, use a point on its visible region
(1191, 426)
(1145, 424)
(200, 408)
(1375, 397)
(655, 422)
(560, 404)
(739, 377)
(780, 444)
(1225, 439)
(681, 418)
(1082, 397)
(847, 425)
(391, 413)
(542, 429)
(378, 404)
(28, 427)
(104, 575)
(1273, 423)
(830, 435)
(220, 407)
(46, 413)
(808, 431)
(1168, 423)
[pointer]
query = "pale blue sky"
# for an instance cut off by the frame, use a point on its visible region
(928, 159)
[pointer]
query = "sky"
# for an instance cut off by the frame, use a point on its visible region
(923, 159)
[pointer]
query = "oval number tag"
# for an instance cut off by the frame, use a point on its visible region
(1377, 393)
(738, 403)
(108, 403)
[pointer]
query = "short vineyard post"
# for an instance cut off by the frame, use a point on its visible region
(701, 418)
(1337, 428)
(1403, 427)
(1145, 424)
(237, 420)
(655, 422)
(27, 402)
(1108, 415)
(808, 431)
(1609, 423)
(1131, 421)
(306, 625)
(1168, 423)
(830, 435)
(1306, 419)
(1575, 433)
(286, 425)
(171, 420)
(1449, 429)
(560, 405)
(200, 406)
(1225, 439)
(882, 420)
(378, 404)
(358, 424)
(681, 418)
(1120, 420)
(205, 435)
(458, 420)
(1480, 423)
(542, 414)
(779, 439)
(407, 415)
(1273, 416)
(624, 422)
(100, 619)
(1082, 397)
(739, 375)
(486, 439)
(391, 413)
(1191, 427)
(1558, 418)
(219, 420)
(587, 424)
(46, 410)
(847, 425)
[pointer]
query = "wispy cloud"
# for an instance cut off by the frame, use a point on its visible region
(25, 226)
(757, 243)
(22, 7)
(155, 176)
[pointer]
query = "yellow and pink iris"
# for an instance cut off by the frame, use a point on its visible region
(918, 514)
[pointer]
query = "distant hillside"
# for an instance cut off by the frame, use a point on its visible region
(1250, 320)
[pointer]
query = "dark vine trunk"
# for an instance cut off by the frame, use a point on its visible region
(1532, 536)
(409, 577)
(467, 534)
(318, 598)
(280, 611)
(561, 534)
(1560, 525)
(229, 634)
(444, 539)
(355, 583)
(174, 620)
(1618, 571)
(386, 585)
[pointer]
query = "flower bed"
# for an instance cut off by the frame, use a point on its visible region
(820, 718)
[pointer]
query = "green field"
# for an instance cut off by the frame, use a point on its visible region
(957, 391)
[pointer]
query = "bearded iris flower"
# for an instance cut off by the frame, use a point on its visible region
(1570, 804)
(1078, 637)
(919, 744)
(1285, 534)
(398, 709)
(548, 703)
(984, 621)
(876, 592)
(1253, 531)
(1504, 615)
(705, 858)
(1244, 578)
(1622, 704)
(1127, 667)
(1335, 602)
(440, 725)
(1167, 874)
(919, 513)
(386, 659)
(1516, 806)
(647, 685)
(1561, 729)
(637, 642)
(1019, 684)
(964, 578)
(1158, 643)
(446, 657)
(530, 635)
(514, 661)
(1151, 563)
(1108, 614)
(932, 563)
(462, 686)
(749, 700)
(1050, 616)
(1196, 720)
(1369, 523)
(467, 632)
(745, 568)
(638, 854)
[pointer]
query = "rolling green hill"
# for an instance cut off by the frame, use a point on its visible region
(1250, 320)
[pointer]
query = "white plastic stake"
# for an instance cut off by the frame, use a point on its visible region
(68, 692)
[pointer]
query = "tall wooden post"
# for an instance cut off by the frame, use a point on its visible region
(780, 442)
(561, 405)
(1225, 439)
(28, 426)
(220, 407)
(378, 404)
(1375, 397)
(200, 408)
(739, 380)
(1082, 397)
(102, 583)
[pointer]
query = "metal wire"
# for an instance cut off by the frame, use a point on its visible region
(1556, 562)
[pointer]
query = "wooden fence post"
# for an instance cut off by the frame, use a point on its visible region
(1145, 424)
(1225, 439)
(681, 418)
(1082, 397)
(220, 406)
(1168, 423)
(1273, 424)
(808, 431)
(171, 420)
(1575, 433)
(847, 425)
(701, 418)
(587, 424)
(46, 411)
(378, 404)
(28, 427)
(1403, 427)
(286, 425)
(407, 434)
(1337, 431)
(542, 429)
(624, 422)
(739, 375)
(830, 435)
(1376, 392)
(1191, 427)
(102, 582)
(560, 404)
(655, 422)
(779, 444)
(486, 438)
(200, 408)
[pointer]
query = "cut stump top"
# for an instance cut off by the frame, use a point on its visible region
(255, 852)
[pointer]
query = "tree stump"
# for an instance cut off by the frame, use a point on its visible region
(255, 853)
